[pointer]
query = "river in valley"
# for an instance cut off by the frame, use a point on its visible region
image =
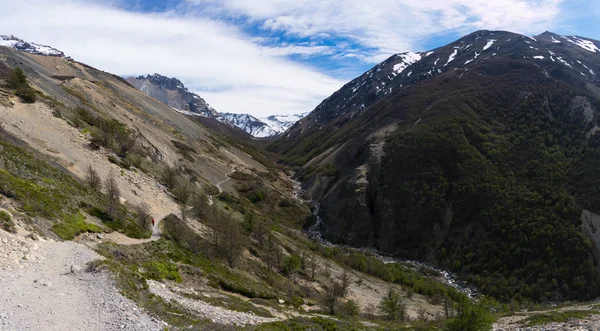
(445, 277)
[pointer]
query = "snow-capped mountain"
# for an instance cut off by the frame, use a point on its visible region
(262, 127)
(173, 93)
(32, 48)
(575, 56)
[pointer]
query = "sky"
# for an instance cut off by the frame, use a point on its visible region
(267, 57)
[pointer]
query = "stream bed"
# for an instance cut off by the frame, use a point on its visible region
(445, 277)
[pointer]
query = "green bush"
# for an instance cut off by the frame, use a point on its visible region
(72, 226)
(471, 317)
(6, 222)
(291, 264)
(18, 81)
(162, 270)
(16, 78)
(27, 94)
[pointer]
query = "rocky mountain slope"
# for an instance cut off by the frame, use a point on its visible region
(173, 93)
(478, 156)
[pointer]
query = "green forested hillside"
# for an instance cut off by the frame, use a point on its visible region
(509, 157)
(486, 174)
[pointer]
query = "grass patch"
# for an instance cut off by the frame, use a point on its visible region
(158, 270)
(72, 226)
(556, 317)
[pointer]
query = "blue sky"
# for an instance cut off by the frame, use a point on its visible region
(272, 56)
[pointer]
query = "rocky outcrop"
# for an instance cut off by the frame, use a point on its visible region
(590, 224)
(172, 92)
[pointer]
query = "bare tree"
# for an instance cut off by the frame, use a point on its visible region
(169, 177)
(200, 206)
(143, 211)
(260, 231)
(114, 193)
(338, 289)
(125, 142)
(272, 251)
(313, 267)
(92, 178)
(227, 237)
(183, 193)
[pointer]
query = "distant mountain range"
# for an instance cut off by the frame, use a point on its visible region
(173, 93)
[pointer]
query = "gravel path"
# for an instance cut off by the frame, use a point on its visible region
(215, 314)
(39, 292)
(589, 323)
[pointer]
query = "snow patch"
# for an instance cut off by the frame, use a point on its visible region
(539, 57)
(489, 44)
(451, 57)
(585, 44)
(407, 59)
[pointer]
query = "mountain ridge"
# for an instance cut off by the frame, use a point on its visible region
(392, 170)
(173, 93)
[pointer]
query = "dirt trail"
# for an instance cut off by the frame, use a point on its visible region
(225, 180)
(38, 291)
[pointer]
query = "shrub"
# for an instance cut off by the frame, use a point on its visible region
(73, 225)
(162, 270)
(291, 264)
(6, 222)
(18, 81)
(16, 78)
(392, 306)
(92, 178)
(471, 317)
(351, 308)
(27, 94)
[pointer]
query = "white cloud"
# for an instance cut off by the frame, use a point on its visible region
(253, 73)
(242, 75)
(392, 26)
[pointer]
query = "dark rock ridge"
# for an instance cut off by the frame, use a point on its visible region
(477, 156)
(172, 92)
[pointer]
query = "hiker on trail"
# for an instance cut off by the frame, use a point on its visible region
(153, 221)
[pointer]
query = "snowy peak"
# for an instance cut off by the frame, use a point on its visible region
(549, 52)
(263, 127)
(27, 47)
(173, 93)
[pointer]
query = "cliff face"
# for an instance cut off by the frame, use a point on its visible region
(172, 92)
